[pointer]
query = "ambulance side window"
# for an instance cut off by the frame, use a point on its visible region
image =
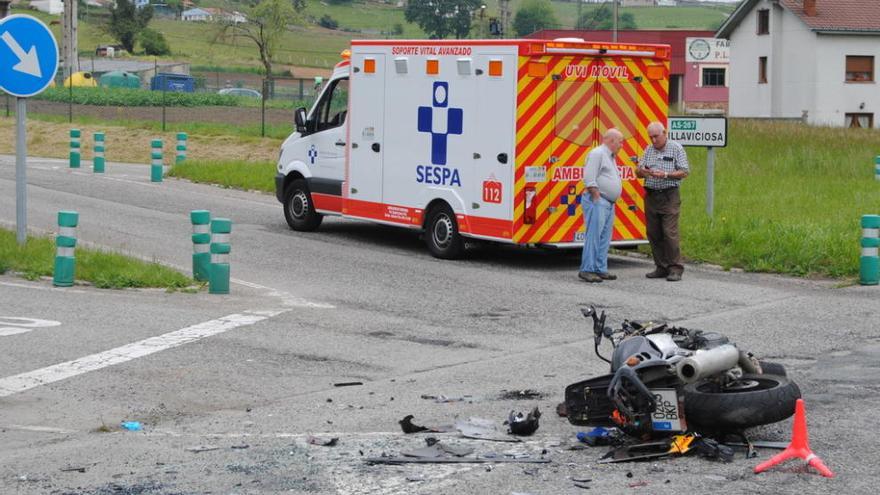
(331, 110)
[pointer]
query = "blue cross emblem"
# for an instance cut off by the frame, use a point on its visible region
(313, 154)
(454, 119)
(572, 200)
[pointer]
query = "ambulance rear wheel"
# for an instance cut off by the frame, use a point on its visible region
(442, 235)
(299, 210)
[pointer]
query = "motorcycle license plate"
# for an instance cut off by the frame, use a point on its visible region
(667, 416)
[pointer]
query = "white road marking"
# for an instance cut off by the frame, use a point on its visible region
(32, 379)
(39, 429)
(17, 325)
(40, 287)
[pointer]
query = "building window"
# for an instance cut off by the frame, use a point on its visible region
(764, 21)
(713, 77)
(762, 70)
(859, 68)
(860, 120)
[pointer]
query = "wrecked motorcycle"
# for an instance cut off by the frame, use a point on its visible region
(665, 380)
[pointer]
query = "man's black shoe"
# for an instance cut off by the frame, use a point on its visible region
(589, 277)
(607, 276)
(674, 277)
(658, 273)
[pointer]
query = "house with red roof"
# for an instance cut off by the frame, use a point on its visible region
(810, 59)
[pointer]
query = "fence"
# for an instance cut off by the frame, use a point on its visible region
(242, 104)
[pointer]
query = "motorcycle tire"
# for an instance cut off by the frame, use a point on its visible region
(771, 368)
(753, 400)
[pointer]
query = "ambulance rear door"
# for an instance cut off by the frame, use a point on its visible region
(491, 190)
(366, 131)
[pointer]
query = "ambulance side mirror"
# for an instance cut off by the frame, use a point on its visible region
(299, 117)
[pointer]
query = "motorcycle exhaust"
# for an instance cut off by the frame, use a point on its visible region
(706, 363)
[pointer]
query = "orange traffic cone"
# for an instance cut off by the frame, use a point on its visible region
(799, 446)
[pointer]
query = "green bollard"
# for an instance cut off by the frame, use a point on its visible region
(156, 157)
(65, 242)
(218, 278)
(98, 160)
(869, 262)
(74, 148)
(201, 237)
(181, 147)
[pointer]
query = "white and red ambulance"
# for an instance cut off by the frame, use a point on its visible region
(469, 138)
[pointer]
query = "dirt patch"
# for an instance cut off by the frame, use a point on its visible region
(125, 144)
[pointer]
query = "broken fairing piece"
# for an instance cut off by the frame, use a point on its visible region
(482, 429)
(202, 448)
(347, 384)
(523, 425)
(438, 450)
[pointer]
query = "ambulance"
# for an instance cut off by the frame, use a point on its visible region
(473, 139)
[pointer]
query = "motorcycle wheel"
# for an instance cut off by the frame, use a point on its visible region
(752, 400)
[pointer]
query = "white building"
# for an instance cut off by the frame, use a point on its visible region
(53, 7)
(196, 15)
(812, 59)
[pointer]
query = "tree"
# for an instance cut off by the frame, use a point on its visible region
(442, 18)
(153, 43)
(266, 23)
(532, 16)
(603, 18)
(127, 21)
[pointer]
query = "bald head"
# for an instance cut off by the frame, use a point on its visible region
(613, 139)
(657, 135)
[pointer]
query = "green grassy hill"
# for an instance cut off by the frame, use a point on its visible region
(313, 46)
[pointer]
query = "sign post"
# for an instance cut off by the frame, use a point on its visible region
(28, 62)
(706, 132)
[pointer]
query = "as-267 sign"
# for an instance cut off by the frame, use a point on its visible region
(708, 132)
(28, 55)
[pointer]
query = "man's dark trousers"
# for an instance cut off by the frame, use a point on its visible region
(661, 212)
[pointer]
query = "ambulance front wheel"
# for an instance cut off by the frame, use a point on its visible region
(299, 210)
(442, 235)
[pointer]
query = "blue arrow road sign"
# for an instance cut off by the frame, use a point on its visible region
(28, 55)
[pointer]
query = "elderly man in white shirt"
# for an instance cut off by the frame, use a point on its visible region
(603, 187)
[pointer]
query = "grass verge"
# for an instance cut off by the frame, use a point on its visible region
(238, 174)
(104, 269)
(788, 199)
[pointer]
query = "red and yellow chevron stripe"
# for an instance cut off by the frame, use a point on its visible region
(562, 113)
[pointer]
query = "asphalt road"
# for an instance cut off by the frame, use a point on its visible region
(355, 302)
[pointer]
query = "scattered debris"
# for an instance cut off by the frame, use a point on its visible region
(561, 410)
(450, 460)
(131, 425)
(526, 394)
(712, 450)
(675, 445)
(79, 469)
(638, 484)
(523, 425)
(438, 450)
(582, 480)
(348, 384)
(601, 436)
(408, 426)
(240, 447)
(202, 448)
(441, 399)
(582, 485)
(415, 478)
(331, 442)
(482, 429)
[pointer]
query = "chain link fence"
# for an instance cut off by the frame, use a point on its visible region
(213, 101)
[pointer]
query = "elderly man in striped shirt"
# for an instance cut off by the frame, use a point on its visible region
(663, 165)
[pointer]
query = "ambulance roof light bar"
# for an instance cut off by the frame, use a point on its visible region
(573, 46)
(593, 51)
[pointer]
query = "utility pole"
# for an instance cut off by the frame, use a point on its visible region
(577, 22)
(614, 36)
(69, 51)
(504, 11)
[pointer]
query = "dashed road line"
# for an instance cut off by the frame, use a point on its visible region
(44, 376)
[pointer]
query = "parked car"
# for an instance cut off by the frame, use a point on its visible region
(252, 93)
